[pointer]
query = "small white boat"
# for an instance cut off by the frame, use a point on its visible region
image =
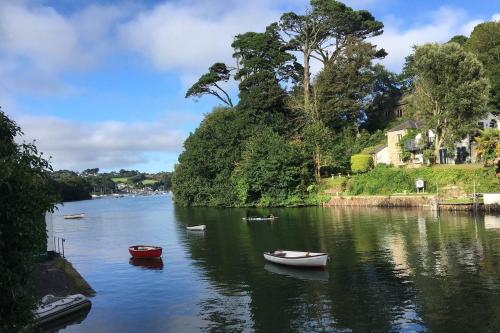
(52, 307)
(75, 216)
(200, 227)
(297, 258)
(260, 218)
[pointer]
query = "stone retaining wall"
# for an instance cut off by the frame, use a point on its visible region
(383, 201)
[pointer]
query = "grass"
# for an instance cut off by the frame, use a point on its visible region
(120, 179)
(149, 181)
(389, 180)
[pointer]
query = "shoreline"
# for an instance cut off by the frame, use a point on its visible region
(58, 277)
(425, 200)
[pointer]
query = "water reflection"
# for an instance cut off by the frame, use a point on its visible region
(147, 263)
(391, 270)
(298, 273)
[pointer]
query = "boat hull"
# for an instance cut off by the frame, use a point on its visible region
(259, 218)
(61, 308)
(74, 216)
(143, 251)
(197, 227)
(297, 259)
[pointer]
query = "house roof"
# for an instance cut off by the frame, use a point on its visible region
(378, 149)
(374, 150)
(405, 125)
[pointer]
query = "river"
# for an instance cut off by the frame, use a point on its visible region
(395, 270)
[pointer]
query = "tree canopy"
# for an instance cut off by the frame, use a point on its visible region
(209, 84)
(484, 42)
(450, 91)
(25, 196)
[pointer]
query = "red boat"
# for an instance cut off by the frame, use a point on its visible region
(145, 251)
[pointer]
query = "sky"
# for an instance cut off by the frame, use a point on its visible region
(102, 83)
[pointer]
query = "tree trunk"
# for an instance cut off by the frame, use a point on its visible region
(317, 164)
(437, 145)
(307, 83)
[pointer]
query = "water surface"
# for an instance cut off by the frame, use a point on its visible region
(391, 269)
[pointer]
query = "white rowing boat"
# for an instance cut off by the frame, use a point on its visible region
(200, 227)
(258, 218)
(52, 307)
(297, 258)
(75, 216)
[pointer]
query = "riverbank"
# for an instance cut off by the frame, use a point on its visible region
(58, 277)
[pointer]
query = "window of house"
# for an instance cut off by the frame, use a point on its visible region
(493, 123)
(400, 136)
(480, 124)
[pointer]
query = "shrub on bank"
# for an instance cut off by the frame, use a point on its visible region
(385, 180)
(361, 163)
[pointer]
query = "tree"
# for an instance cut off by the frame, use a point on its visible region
(90, 172)
(488, 145)
(271, 170)
(323, 33)
(385, 97)
(202, 176)
(208, 83)
(256, 52)
(316, 139)
(344, 88)
(484, 42)
(25, 195)
(262, 103)
(71, 186)
(459, 39)
(449, 91)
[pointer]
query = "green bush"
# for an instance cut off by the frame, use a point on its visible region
(361, 163)
(385, 180)
(25, 195)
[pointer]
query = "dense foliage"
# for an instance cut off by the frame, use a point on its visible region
(71, 186)
(291, 126)
(484, 42)
(25, 196)
(449, 92)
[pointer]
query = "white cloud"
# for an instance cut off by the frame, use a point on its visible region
(495, 17)
(40, 44)
(444, 23)
(78, 146)
(190, 37)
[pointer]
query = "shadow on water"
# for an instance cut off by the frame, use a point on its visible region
(310, 274)
(147, 263)
(391, 270)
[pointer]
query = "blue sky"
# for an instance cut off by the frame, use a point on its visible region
(102, 83)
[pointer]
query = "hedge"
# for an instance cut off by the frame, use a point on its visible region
(361, 163)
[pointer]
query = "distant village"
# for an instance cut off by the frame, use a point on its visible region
(92, 184)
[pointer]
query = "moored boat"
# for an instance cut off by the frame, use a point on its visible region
(200, 227)
(74, 216)
(297, 258)
(145, 251)
(52, 307)
(260, 218)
